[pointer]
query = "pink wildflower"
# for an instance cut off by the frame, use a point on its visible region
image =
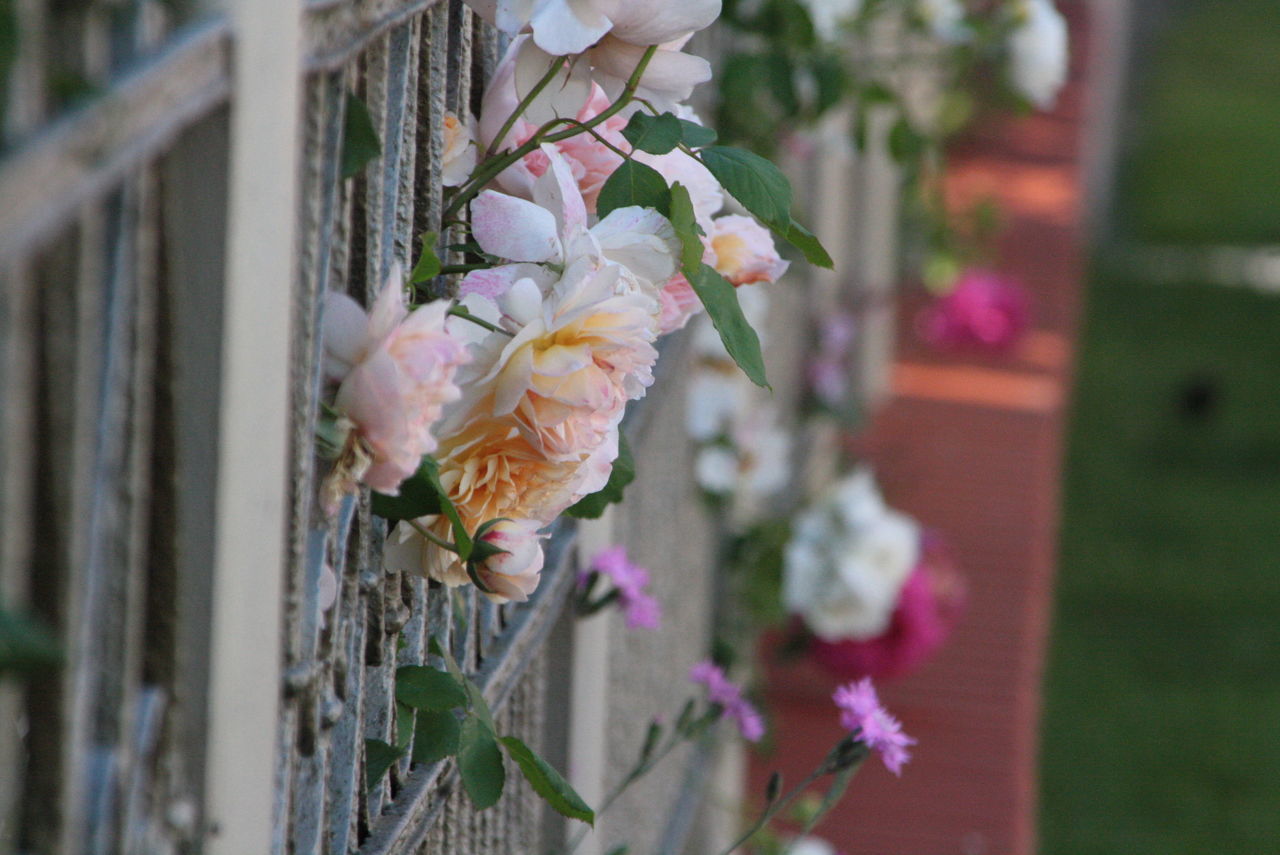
(728, 695)
(861, 713)
(640, 608)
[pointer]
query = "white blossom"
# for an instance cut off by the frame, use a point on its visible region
(1038, 52)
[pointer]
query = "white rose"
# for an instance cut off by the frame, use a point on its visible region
(848, 560)
(1038, 52)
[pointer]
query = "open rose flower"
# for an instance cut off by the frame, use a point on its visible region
(396, 373)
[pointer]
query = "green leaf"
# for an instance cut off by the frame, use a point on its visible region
(634, 183)
(404, 725)
(740, 340)
(479, 706)
(547, 782)
(435, 736)
(425, 688)
(654, 134)
(378, 758)
(480, 763)
(418, 496)
(26, 644)
(360, 143)
(685, 223)
(805, 241)
(905, 143)
(623, 473)
(753, 181)
(695, 135)
(428, 266)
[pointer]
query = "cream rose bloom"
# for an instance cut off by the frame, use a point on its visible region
(459, 157)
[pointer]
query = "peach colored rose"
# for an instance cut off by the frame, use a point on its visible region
(679, 304)
(744, 251)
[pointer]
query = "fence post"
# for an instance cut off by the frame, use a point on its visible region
(250, 515)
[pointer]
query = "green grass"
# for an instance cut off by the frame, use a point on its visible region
(1162, 724)
(1161, 733)
(1204, 163)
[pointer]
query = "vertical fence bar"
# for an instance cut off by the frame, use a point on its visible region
(251, 484)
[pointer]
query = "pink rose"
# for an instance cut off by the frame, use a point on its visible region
(396, 372)
(744, 251)
(513, 574)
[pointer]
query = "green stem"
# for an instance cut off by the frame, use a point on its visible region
(491, 168)
(463, 268)
(460, 312)
(604, 142)
(551, 74)
(772, 809)
(425, 532)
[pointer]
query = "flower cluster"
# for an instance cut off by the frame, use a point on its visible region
(518, 397)
(727, 695)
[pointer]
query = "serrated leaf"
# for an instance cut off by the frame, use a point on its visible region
(378, 758)
(480, 763)
(435, 736)
(684, 222)
(418, 497)
(428, 266)
(695, 135)
(756, 183)
(740, 340)
(548, 783)
(654, 134)
(404, 725)
(425, 688)
(808, 243)
(634, 183)
(360, 143)
(479, 706)
(623, 473)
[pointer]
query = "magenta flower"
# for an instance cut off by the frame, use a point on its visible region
(640, 609)
(984, 311)
(728, 695)
(862, 714)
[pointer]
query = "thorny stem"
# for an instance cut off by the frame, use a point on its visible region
(551, 74)
(492, 167)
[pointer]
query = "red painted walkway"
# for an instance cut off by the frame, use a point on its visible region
(972, 447)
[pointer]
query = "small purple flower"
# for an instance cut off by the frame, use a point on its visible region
(861, 713)
(728, 695)
(639, 608)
